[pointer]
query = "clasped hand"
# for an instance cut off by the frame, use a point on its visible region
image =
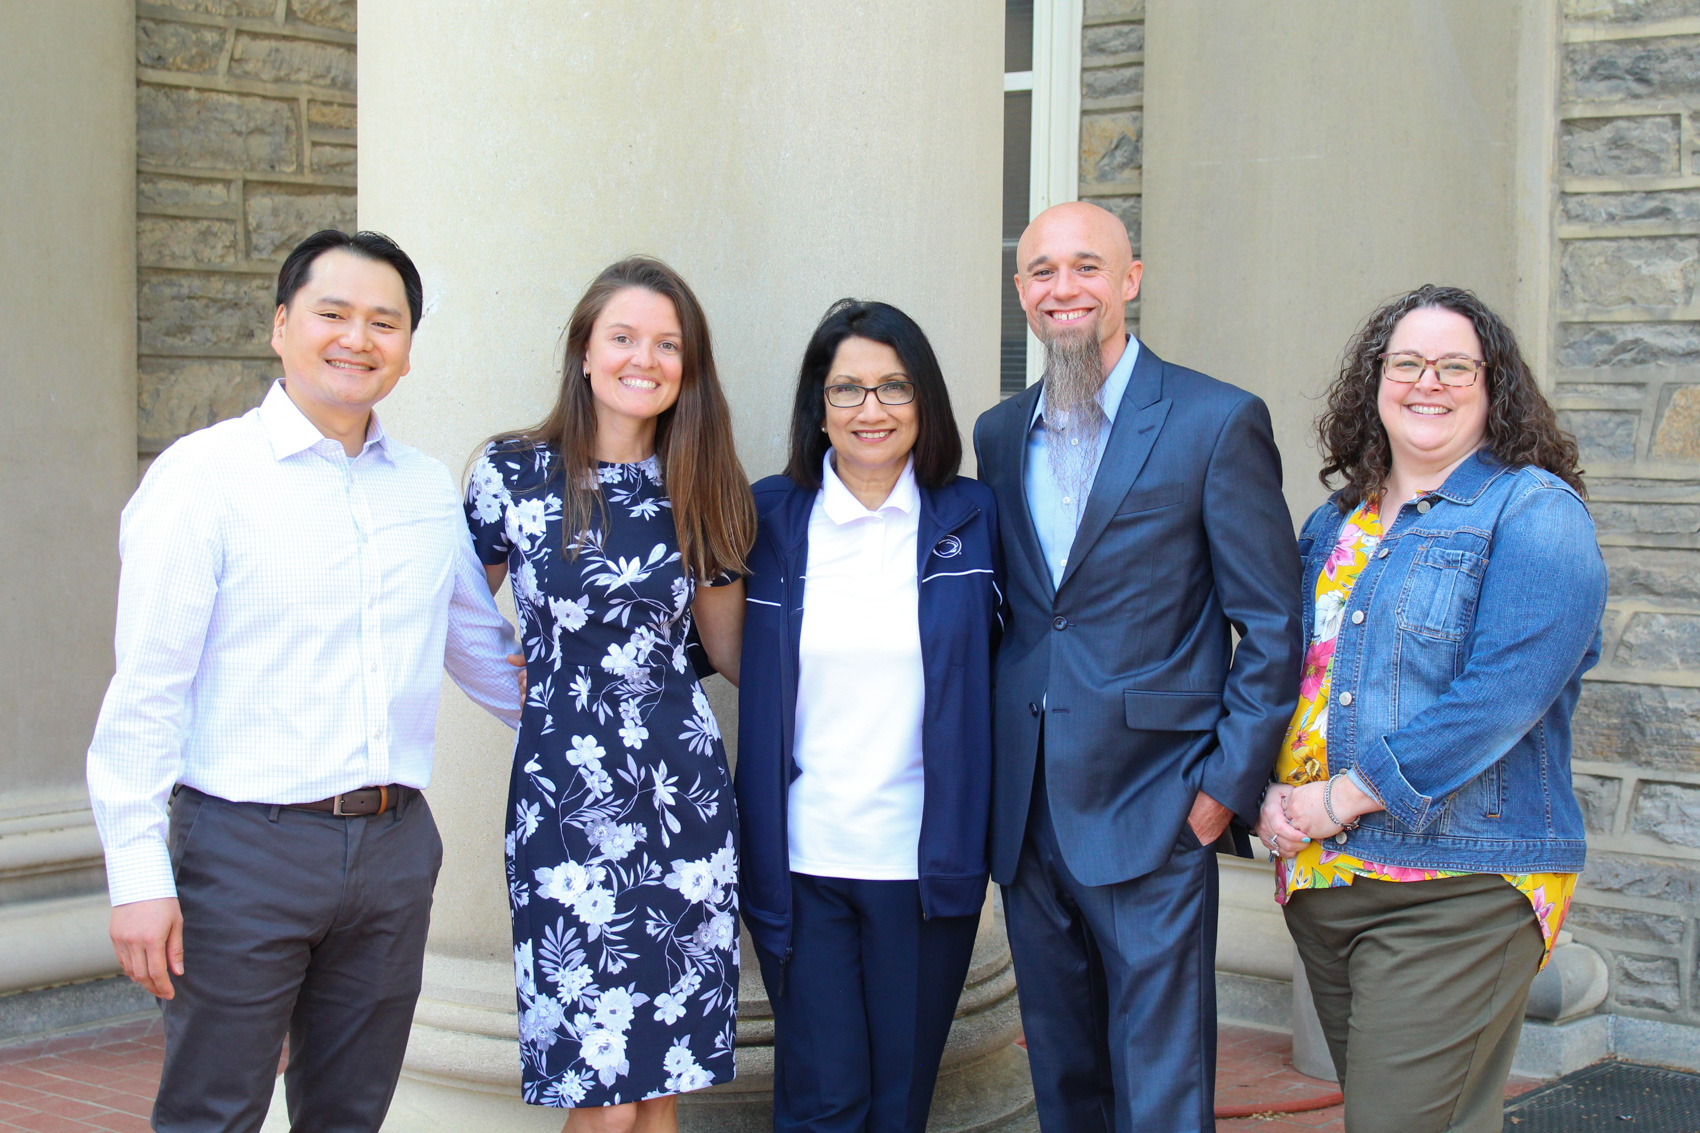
(1292, 816)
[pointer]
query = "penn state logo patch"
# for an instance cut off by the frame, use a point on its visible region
(948, 547)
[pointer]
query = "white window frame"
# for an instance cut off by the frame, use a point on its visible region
(1054, 175)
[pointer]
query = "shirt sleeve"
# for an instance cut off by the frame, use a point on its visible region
(487, 504)
(170, 546)
(479, 637)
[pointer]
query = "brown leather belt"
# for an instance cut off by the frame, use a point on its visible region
(358, 804)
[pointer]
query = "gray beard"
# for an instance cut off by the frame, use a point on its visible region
(1074, 373)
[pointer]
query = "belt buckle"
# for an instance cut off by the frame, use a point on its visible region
(336, 807)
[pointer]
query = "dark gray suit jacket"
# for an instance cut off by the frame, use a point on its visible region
(1130, 661)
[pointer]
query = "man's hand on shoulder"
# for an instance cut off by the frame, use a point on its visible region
(147, 937)
(1208, 818)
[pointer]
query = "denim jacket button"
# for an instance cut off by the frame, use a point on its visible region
(1423, 506)
(1357, 617)
(1381, 554)
(1345, 698)
(1340, 838)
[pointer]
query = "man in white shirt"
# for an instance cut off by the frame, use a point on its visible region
(293, 583)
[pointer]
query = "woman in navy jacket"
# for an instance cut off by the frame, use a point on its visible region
(864, 732)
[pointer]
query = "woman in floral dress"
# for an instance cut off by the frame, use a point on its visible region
(622, 518)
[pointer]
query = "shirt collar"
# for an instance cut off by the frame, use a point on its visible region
(1111, 392)
(842, 507)
(289, 431)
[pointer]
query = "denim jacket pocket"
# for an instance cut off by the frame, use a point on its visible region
(1439, 599)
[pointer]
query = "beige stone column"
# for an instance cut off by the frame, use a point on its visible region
(68, 463)
(781, 155)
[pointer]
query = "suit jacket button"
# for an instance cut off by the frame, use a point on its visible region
(1059, 623)
(1033, 708)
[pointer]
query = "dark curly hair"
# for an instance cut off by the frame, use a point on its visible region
(1522, 428)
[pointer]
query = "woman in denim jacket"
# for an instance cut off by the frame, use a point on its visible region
(1427, 834)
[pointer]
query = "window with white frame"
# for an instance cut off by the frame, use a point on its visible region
(1041, 149)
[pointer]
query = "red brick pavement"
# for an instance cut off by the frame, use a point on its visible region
(105, 1078)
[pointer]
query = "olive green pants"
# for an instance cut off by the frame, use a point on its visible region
(1420, 986)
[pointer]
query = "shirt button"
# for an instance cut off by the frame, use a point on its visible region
(1357, 617)
(1065, 499)
(1032, 708)
(1059, 623)
(1074, 440)
(1345, 698)
(373, 668)
(1423, 506)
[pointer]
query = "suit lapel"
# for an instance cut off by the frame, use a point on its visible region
(1026, 535)
(1138, 421)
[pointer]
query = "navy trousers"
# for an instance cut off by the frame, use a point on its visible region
(1118, 987)
(862, 1010)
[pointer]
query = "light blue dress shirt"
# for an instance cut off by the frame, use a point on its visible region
(1056, 517)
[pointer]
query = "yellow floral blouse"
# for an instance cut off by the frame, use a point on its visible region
(1304, 756)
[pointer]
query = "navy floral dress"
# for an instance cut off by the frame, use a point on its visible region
(620, 859)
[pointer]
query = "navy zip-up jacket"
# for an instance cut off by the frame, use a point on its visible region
(961, 596)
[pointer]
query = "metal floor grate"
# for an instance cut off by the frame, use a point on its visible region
(1610, 1095)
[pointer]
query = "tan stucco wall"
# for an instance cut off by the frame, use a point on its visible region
(1304, 162)
(67, 378)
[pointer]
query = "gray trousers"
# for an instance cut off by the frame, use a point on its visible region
(302, 923)
(1420, 986)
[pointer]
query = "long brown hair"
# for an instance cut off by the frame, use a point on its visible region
(710, 495)
(1522, 428)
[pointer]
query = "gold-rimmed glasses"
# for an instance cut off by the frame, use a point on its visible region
(1452, 369)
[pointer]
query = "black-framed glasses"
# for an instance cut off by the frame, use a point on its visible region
(1452, 369)
(849, 395)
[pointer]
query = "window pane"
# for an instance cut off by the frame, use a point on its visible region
(1017, 170)
(1018, 35)
(1012, 375)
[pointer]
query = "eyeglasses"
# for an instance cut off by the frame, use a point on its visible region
(849, 396)
(1451, 369)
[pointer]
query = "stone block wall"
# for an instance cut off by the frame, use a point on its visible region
(1626, 380)
(1112, 113)
(245, 143)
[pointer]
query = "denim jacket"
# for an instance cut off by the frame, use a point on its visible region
(1458, 666)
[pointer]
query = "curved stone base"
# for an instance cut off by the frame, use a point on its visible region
(462, 1069)
(994, 1094)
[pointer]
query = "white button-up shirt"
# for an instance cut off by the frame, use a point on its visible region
(855, 811)
(284, 613)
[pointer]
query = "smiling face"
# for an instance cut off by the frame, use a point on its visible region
(1431, 426)
(874, 439)
(635, 358)
(344, 337)
(1076, 273)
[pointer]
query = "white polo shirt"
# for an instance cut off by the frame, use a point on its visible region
(856, 809)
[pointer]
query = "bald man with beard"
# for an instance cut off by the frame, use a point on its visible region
(1143, 527)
